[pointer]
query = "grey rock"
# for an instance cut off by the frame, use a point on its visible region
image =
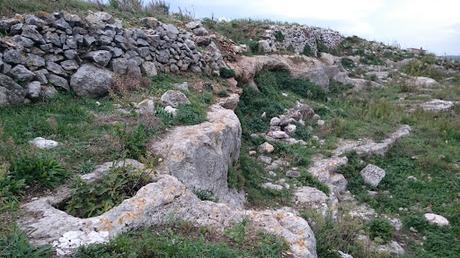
(193, 25)
(174, 98)
(62, 24)
(293, 174)
(163, 56)
(437, 105)
(91, 81)
(34, 89)
(55, 68)
(43, 143)
(48, 92)
(34, 61)
(201, 31)
(34, 20)
(149, 69)
(171, 30)
(181, 86)
(20, 73)
(207, 151)
(11, 93)
(436, 219)
(101, 57)
(58, 81)
(150, 22)
(69, 65)
(41, 76)
(146, 107)
(12, 56)
(70, 54)
(313, 199)
(23, 42)
(372, 175)
(30, 31)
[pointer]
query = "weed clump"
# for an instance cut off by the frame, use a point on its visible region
(380, 228)
(93, 199)
(226, 73)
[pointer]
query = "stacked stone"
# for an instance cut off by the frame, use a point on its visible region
(62, 51)
(296, 37)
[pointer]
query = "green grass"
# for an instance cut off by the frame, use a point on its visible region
(186, 241)
(93, 199)
(430, 155)
(248, 175)
(14, 244)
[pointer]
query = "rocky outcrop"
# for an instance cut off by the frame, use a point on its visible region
(200, 155)
(162, 202)
(298, 65)
(50, 48)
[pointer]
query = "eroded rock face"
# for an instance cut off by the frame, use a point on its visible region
(200, 155)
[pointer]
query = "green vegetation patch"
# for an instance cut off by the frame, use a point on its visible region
(93, 199)
(187, 241)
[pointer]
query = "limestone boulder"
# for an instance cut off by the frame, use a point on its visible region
(91, 81)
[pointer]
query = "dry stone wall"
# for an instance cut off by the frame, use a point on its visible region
(296, 37)
(61, 51)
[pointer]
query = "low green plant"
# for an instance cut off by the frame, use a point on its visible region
(226, 72)
(190, 114)
(133, 141)
(14, 244)
(186, 241)
(308, 51)
(238, 232)
(380, 228)
(37, 170)
(10, 190)
(92, 199)
(205, 195)
(347, 63)
(248, 175)
(279, 36)
(307, 179)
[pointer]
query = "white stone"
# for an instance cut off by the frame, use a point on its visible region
(320, 122)
(272, 186)
(344, 255)
(171, 110)
(438, 105)
(372, 175)
(436, 219)
(290, 129)
(43, 143)
(278, 134)
(147, 106)
(275, 121)
(266, 148)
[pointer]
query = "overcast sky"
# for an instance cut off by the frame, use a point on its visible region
(431, 24)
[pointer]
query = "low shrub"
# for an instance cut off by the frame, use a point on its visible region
(308, 51)
(14, 244)
(347, 63)
(37, 170)
(190, 114)
(133, 141)
(93, 199)
(279, 36)
(380, 228)
(205, 195)
(226, 72)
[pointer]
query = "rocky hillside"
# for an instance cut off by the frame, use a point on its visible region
(129, 135)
